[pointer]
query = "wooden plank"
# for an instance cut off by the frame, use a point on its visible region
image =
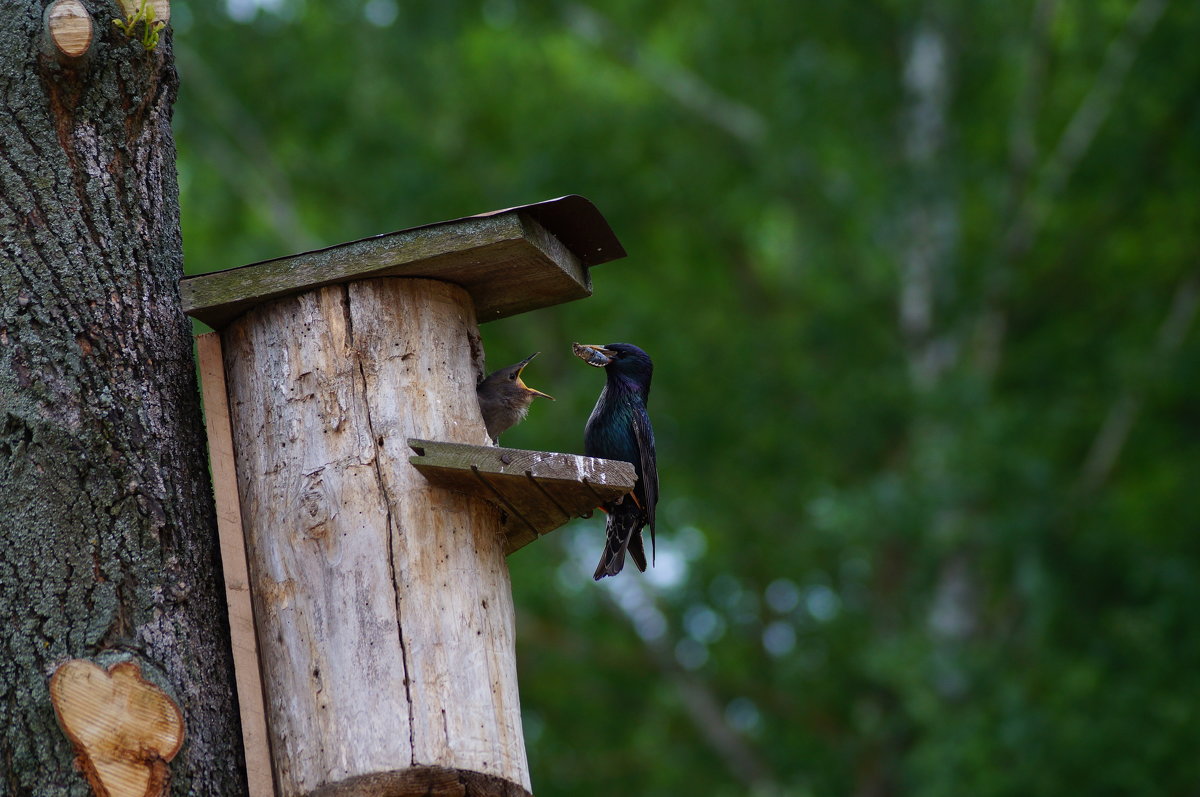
(538, 490)
(233, 563)
(509, 264)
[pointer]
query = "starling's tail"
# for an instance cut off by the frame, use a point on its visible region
(637, 550)
(623, 533)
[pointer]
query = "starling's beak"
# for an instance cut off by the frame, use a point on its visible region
(521, 367)
(593, 355)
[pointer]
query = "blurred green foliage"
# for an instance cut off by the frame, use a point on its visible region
(920, 282)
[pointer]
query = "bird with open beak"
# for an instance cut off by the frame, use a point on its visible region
(504, 398)
(619, 428)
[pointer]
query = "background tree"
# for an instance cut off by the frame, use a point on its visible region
(920, 280)
(110, 544)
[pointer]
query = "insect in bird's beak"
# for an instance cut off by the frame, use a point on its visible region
(593, 355)
(521, 384)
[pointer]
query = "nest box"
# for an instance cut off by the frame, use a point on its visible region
(376, 514)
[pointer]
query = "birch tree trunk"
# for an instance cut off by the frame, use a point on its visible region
(110, 541)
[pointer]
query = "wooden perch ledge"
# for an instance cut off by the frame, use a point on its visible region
(538, 490)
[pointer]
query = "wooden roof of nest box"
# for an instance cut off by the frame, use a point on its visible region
(510, 261)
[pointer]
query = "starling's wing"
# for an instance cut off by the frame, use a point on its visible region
(643, 432)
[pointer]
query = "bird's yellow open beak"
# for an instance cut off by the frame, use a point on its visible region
(528, 389)
(521, 384)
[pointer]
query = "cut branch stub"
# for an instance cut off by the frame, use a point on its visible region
(162, 8)
(124, 729)
(70, 27)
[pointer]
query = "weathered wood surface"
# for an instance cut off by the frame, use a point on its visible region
(509, 260)
(233, 563)
(383, 603)
(538, 490)
(509, 263)
(123, 728)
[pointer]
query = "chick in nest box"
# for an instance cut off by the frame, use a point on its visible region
(504, 398)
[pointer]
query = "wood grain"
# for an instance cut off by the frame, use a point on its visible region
(70, 27)
(124, 729)
(508, 263)
(414, 338)
(162, 8)
(384, 611)
(538, 491)
(233, 564)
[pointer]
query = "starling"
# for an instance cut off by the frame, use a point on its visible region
(620, 429)
(504, 398)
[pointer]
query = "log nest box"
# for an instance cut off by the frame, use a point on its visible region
(376, 514)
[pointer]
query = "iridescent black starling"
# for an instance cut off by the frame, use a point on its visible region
(504, 398)
(620, 429)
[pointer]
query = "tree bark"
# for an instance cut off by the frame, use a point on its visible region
(110, 537)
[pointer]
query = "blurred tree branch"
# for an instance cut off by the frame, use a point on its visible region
(1114, 431)
(1094, 108)
(676, 81)
(1031, 206)
(1022, 157)
(697, 697)
(242, 154)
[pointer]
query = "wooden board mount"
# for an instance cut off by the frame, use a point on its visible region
(510, 261)
(538, 490)
(233, 564)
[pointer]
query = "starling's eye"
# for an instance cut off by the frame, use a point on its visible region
(512, 377)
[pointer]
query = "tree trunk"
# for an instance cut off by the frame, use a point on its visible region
(383, 604)
(110, 537)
